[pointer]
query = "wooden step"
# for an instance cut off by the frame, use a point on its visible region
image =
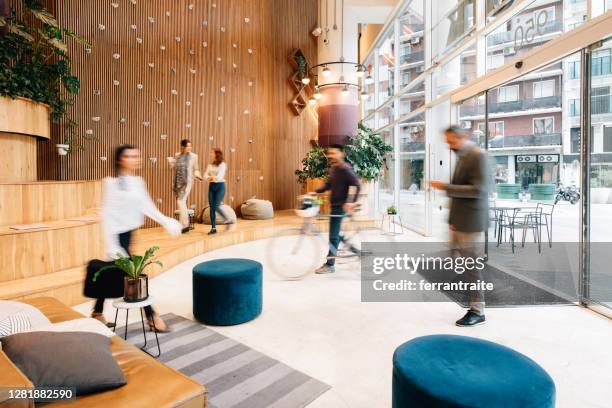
(66, 284)
(64, 245)
(42, 201)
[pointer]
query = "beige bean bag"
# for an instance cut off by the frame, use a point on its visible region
(227, 210)
(254, 209)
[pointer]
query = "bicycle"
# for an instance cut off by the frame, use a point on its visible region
(308, 245)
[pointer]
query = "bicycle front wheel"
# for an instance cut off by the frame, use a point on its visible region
(291, 254)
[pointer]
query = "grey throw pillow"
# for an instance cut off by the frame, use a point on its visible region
(72, 359)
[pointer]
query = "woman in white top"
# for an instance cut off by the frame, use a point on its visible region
(186, 170)
(215, 174)
(125, 203)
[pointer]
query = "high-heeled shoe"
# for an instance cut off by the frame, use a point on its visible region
(100, 317)
(156, 323)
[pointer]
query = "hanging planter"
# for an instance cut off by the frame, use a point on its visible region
(35, 64)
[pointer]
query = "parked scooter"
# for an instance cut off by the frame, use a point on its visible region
(568, 193)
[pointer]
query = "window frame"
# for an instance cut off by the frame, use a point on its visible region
(541, 83)
(514, 86)
(552, 118)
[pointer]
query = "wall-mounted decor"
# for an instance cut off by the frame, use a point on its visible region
(299, 81)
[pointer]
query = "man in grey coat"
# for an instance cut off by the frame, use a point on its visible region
(468, 217)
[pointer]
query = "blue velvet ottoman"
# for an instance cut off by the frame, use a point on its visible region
(227, 291)
(457, 371)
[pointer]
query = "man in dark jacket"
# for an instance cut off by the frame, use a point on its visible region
(342, 179)
(468, 217)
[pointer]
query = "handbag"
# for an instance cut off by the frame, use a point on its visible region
(109, 283)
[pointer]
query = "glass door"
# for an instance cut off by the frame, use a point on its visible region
(534, 236)
(598, 274)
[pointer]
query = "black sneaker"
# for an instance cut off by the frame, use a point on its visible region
(325, 268)
(470, 319)
(212, 231)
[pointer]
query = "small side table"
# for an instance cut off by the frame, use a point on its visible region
(394, 224)
(127, 306)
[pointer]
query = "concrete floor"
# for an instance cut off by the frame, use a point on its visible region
(319, 325)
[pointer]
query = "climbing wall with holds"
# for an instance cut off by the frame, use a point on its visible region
(212, 71)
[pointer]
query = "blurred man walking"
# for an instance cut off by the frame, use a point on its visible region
(468, 217)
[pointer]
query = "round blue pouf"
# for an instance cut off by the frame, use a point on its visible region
(227, 291)
(456, 371)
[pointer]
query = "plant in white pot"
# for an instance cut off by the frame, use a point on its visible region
(136, 282)
(35, 64)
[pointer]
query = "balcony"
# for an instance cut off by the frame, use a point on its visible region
(548, 139)
(508, 36)
(413, 57)
(514, 106)
(412, 147)
(601, 104)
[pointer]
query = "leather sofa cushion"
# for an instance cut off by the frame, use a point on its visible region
(149, 383)
(65, 359)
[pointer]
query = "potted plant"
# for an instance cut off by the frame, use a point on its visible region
(391, 210)
(367, 153)
(315, 168)
(35, 65)
(136, 283)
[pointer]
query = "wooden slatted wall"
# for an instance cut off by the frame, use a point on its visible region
(206, 51)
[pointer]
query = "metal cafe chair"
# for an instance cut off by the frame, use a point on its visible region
(507, 222)
(546, 220)
(532, 220)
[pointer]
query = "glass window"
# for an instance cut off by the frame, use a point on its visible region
(471, 117)
(573, 69)
(412, 98)
(574, 107)
(412, 170)
(386, 68)
(607, 139)
(600, 100)
(543, 125)
(412, 43)
(386, 184)
(600, 6)
(601, 62)
(508, 93)
(370, 122)
(534, 24)
(575, 140)
(386, 115)
(450, 21)
(542, 89)
(493, 7)
(456, 72)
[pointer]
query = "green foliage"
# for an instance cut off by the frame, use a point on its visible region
(367, 153)
(302, 66)
(34, 62)
(314, 165)
(391, 210)
(134, 265)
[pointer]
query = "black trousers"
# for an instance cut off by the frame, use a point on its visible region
(125, 239)
(335, 227)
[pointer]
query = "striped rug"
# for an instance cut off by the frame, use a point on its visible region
(234, 374)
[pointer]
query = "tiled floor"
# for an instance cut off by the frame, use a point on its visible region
(320, 326)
